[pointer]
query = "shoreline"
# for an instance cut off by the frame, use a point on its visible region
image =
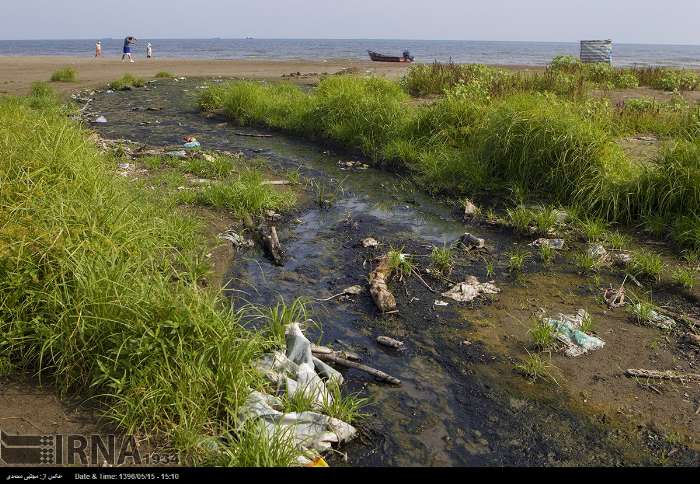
(17, 73)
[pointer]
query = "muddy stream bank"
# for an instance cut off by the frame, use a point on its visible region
(460, 402)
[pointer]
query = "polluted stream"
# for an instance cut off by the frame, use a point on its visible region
(458, 403)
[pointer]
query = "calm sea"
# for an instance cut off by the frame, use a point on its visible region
(516, 53)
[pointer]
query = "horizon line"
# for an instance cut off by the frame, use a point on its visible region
(350, 38)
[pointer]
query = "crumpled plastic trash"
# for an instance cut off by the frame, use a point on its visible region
(369, 242)
(101, 119)
(309, 430)
(656, 319)
(598, 252)
(470, 289)
(297, 370)
(236, 239)
(568, 331)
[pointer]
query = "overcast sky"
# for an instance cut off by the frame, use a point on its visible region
(624, 21)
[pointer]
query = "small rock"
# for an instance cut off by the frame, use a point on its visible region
(621, 258)
(471, 241)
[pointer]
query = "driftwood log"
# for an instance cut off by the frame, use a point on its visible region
(663, 375)
(324, 350)
(378, 374)
(271, 244)
(390, 342)
(378, 287)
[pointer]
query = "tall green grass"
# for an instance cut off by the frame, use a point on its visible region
(241, 194)
(563, 150)
(565, 76)
(101, 294)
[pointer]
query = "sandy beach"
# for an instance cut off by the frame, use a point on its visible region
(18, 73)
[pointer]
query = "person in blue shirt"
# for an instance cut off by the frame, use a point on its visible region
(127, 48)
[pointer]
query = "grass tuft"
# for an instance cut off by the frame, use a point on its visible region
(127, 82)
(66, 74)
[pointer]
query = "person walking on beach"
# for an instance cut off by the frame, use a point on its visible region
(149, 51)
(98, 49)
(127, 48)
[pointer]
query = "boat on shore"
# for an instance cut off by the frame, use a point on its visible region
(377, 57)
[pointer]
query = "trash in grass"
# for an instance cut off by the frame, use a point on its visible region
(311, 432)
(598, 252)
(568, 331)
(470, 289)
(557, 244)
(654, 318)
(191, 142)
(236, 239)
(101, 120)
(298, 371)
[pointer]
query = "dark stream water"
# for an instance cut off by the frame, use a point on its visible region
(457, 404)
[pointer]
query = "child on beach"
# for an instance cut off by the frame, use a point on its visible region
(149, 51)
(127, 48)
(98, 49)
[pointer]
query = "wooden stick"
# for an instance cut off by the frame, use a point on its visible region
(415, 272)
(380, 375)
(663, 375)
(253, 135)
(271, 244)
(324, 350)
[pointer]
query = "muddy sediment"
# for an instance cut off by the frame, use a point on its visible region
(460, 401)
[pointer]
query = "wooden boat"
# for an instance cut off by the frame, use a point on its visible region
(376, 57)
